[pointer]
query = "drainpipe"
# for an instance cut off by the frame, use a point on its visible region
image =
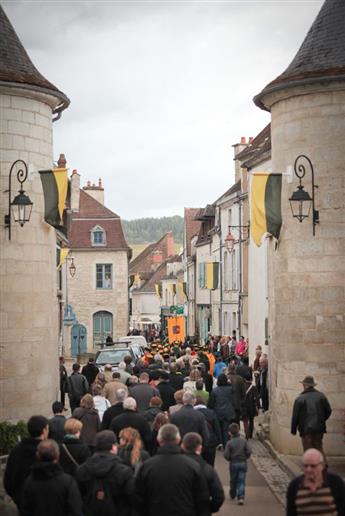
(240, 274)
(221, 274)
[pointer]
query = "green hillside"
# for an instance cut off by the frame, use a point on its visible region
(150, 229)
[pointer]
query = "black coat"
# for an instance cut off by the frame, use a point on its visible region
(171, 484)
(187, 419)
(50, 491)
(222, 402)
(56, 428)
(18, 466)
(151, 413)
(176, 380)
(135, 420)
(110, 413)
(215, 488)
(107, 472)
(90, 371)
(252, 401)
(79, 451)
(167, 395)
(215, 435)
(310, 412)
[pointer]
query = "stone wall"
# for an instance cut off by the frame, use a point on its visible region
(86, 299)
(28, 302)
(306, 273)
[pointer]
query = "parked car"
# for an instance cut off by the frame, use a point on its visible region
(116, 352)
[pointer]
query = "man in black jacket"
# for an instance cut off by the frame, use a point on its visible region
(170, 483)
(176, 378)
(310, 413)
(56, 423)
(130, 417)
(316, 491)
(166, 391)
(215, 435)
(77, 386)
(192, 447)
(23, 456)
(90, 371)
(187, 419)
(114, 410)
(105, 482)
(48, 490)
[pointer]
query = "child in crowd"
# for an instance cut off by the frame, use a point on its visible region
(237, 451)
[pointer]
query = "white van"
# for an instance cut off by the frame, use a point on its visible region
(135, 339)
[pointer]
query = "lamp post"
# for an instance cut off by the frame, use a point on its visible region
(300, 201)
(21, 205)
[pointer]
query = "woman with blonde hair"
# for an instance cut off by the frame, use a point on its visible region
(190, 383)
(73, 452)
(88, 415)
(130, 448)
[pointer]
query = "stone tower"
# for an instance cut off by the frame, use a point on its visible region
(306, 272)
(28, 302)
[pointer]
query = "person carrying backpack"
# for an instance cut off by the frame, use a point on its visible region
(105, 482)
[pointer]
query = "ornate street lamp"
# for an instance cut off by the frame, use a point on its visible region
(230, 241)
(300, 201)
(21, 205)
(72, 268)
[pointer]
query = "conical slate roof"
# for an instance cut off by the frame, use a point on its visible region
(321, 56)
(17, 67)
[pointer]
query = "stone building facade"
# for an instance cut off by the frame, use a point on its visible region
(28, 303)
(306, 272)
(98, 293)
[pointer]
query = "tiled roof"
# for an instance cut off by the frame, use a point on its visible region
(156, 277)
(191, 226)
(92, 213)
(258, 150)
(90, 208)
(321, 57)
(143, 262)
(205, 213)
(15, 64)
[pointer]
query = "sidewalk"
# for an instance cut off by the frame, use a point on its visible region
(292, 464)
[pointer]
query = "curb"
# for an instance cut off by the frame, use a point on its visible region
(289, 467)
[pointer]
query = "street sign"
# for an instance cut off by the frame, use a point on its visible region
(178, 310)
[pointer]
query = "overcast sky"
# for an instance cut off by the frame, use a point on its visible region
(159, 90)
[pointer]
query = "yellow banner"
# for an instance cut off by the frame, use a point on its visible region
(61, 179)
(258, 224)
(63, 255)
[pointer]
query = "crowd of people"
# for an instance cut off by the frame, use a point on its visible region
(144, 434)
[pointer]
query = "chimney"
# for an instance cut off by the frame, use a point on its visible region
(243, 140)
(170, 244)
(62, 161)
(157, 259)
(95, 191)
(75, 190)
(251, 139)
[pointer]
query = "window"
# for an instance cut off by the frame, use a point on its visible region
(98, 236)
(226, 271)
(104, 276)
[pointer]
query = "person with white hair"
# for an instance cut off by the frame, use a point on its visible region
(317, 491)
(121, 368)
(189, 420)
(131, 418)
(172, 476)
(114, 410)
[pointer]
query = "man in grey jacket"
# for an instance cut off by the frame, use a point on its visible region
(310, 413)
(78, 386)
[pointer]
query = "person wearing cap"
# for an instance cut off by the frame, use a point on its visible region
(310, 412)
